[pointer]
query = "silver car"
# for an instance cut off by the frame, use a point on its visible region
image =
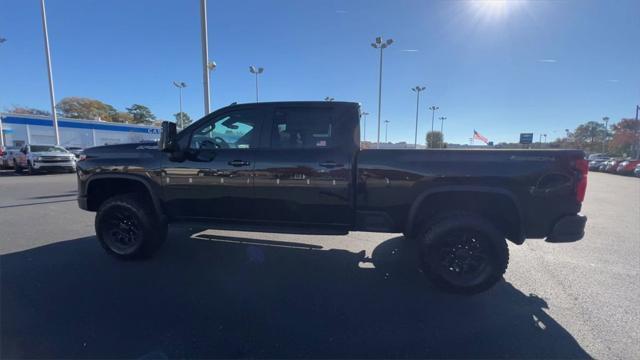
(35, 158)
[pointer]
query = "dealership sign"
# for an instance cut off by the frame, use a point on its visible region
(526, 138)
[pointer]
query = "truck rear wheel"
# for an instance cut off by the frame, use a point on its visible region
(464, 253)
(128, 228)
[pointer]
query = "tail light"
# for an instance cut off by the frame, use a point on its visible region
(582, 166)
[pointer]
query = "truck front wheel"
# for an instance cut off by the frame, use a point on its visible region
(128, 228)
(464, 253)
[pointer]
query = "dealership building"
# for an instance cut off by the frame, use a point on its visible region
(17, 130)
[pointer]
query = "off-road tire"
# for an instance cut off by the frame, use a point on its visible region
(128, 227)
(469, 237)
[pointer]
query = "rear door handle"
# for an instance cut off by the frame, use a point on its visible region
(330, 164)
(238, 163)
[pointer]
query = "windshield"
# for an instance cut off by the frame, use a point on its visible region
(47, 148)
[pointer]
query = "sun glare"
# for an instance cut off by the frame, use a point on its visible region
(494, 8)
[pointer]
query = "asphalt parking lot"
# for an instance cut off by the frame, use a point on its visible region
(241, 294)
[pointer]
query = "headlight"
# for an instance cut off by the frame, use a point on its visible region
(39, 158)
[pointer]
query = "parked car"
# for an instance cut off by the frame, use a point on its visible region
(36, 158)
(636, 172)
(627, 167)
(594, 165)
(75, 150)
(297, 167)
(6, 156)
(611, 166)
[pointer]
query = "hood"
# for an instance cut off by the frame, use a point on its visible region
(122, 150)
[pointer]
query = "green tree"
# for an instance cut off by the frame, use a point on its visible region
(589, 136)
(84, 108)
(434, 139)
(186, 119)
(141, 114)
(27, 111)
(121, 117)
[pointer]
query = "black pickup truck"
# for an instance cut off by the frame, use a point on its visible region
(297, 167)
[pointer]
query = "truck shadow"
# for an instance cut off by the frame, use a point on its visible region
(237, 297)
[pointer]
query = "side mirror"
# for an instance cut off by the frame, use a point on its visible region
(167, 141)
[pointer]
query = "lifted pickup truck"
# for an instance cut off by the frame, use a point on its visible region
(297, 167)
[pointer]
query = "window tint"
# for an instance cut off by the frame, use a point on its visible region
(236, 130)
(303, 128)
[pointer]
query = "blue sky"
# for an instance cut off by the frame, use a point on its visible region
(501, 67)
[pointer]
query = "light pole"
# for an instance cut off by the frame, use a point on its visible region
(606, 132)
(205, 53)
(180, 85)
(256, 71)
(442, 119)
(380, 44)
(364, 125)
(329, 99)
(433, 109)
(52, 95)
(386, 129)
(417, 90)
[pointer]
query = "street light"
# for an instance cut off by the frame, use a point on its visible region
(52, 95)
(417, 90)
(442, 119)
(328, 98)
(386, 129)
(180, 85)
(433, 109)
(256, 71)
(606, 132)
(364, 125)
(380, 44)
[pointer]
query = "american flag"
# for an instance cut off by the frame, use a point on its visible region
(476, 135)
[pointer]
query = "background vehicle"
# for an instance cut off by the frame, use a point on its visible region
(636, 172)
(35, 158)
(611, 166)
(594, 165)
(6, 156)
(627, 167)
(297, 167)
(75, 150)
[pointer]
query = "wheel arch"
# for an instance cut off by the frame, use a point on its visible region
(497, 204)
(100, 187)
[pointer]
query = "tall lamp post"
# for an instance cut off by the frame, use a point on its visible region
(386, 129)
(180, 85)
(606, 132)
(364, 125)
(380, 44)
(52, 95)
(204, 37)
(417, 90)
(433, 109)
(256, 71)
(442, 119)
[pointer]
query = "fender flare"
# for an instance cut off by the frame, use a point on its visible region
(157, 205)
(413, 211)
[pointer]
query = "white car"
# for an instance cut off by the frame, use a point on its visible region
(36, 158)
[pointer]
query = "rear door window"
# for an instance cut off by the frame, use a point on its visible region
(303, 128)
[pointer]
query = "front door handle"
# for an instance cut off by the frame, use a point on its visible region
(238, 163)
(330, 164)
